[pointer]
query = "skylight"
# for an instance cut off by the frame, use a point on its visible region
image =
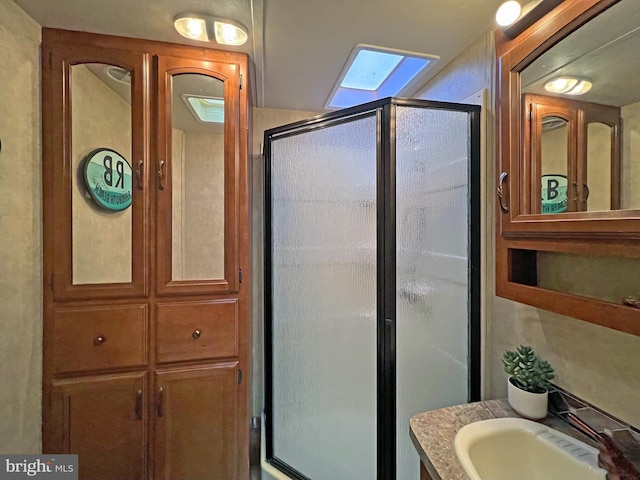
(370, 69)
(377, 72)
(206, 109)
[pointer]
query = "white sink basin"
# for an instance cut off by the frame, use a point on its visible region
(514, 448)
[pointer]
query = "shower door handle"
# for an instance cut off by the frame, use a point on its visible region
(500, 191)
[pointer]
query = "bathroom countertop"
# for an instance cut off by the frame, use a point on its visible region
(433, 433)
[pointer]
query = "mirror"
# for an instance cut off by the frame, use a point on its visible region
(554, 164)
(100, 119)
(197, 177)
(598, 195)
(601, 157)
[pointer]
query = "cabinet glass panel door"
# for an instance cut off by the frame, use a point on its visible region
(554, 164)
(196, 176)
(601, 173)
(551, 157)
(596, 191)
(98, 173)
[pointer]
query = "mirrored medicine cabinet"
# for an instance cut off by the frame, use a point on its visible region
(569, 102)
(568, 162)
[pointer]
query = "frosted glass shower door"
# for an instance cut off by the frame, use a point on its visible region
(433, 158)
(323, 290)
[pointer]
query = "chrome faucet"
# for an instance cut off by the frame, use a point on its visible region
(619, 450)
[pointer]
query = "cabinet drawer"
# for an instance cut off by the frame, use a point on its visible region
(93, 338)
(197, 330)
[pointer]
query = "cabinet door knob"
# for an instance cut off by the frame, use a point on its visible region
(196, 334)
(99, 340)
(504, 207)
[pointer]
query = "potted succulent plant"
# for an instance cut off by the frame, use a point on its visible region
(528, 382)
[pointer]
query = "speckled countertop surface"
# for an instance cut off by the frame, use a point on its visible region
(433, 433)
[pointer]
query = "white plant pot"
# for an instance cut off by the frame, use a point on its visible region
(529, 405)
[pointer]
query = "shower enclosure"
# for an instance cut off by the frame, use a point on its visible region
(372, 281)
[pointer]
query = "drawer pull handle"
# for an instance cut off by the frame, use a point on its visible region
(196, 334)
(160, 406)
(100, 339)
(138, 408)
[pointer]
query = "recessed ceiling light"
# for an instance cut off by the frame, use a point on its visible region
(568, 86)
(118, 74)
(206, 28)
(376, 72)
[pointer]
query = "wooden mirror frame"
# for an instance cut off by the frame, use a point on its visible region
(513, 56)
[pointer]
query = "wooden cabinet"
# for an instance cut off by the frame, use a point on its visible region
(567, 170)
(526, 65)
(571, 156)
(145, 200)
(197, 423)
(102, 419)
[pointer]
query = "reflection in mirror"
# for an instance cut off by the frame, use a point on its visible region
(554, 164)
(100, 118)
(197, 177)
(602, 52)
(596, 194)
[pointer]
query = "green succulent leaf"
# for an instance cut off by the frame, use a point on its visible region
(527, 369)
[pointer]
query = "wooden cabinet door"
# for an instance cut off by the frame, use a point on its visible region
(198, 175)
(196, 432)
(103, 421)
(95, 111)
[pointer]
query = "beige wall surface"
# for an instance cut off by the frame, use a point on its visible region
(20, 233)
(263, 119)
(598, 364)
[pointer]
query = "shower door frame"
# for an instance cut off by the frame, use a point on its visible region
(384, 110)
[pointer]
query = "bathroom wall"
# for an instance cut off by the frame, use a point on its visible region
(263, 119)
(20, 233)
(598, 364)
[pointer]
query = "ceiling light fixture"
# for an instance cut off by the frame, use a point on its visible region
(508, 13)
(515, 19)
(206, 28)
(118, 74)
(568, 86)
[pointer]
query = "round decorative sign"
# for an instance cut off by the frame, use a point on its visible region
(554, 193)
(108, 178)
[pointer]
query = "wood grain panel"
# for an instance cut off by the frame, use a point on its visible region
(102, 420)
(77, 333)
(197, 423)
(196, 330)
